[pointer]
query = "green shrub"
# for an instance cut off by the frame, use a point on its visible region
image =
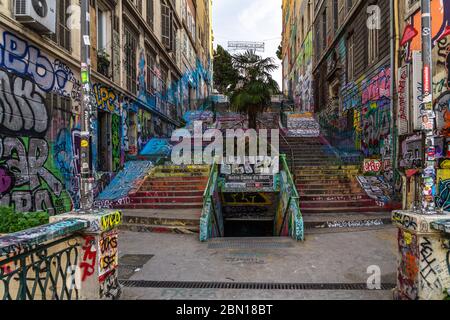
(11, 221)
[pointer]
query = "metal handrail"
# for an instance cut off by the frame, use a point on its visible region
(293, 196)
(292, 152)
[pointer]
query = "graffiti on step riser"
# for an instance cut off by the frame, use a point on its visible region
(354, 224)
(239, 199)
(338, 198)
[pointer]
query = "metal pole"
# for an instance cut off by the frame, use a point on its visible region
(428, 114)
(87, 197)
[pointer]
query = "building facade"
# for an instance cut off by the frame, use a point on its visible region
(297, 54)
(143, 80)
(409, 100)
(353, 77)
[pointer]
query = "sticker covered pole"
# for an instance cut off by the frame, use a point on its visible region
(428, 114)
(87, 196)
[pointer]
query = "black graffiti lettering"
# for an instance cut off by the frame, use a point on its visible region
(22, 108)
(426, 254)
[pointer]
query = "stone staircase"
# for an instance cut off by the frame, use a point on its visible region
(170, 199)
(325, 185)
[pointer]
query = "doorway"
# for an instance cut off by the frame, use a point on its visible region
(104, 141)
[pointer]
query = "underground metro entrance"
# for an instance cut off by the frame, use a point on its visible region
(249, 214)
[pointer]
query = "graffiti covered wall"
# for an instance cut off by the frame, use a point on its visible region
(303, 90)
(39, 129)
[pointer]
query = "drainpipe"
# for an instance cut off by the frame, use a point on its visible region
(428, 114)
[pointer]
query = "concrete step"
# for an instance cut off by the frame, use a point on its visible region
(306, 172)
(330, 191)
(171, 188)
(307, 211)
(188, 193)
(166, 206)
(172, 183)
(328, 185)
(162, 218)
(158, 200)
(178, 179)
(334, 197)
(331, 167)
(349, 220)
(324, 179)
(160, 229)
(337, 204)
(300, 163)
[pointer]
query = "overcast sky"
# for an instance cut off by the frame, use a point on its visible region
(249, 20)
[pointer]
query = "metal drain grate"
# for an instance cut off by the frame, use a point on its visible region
(249, 244)
(251, 286)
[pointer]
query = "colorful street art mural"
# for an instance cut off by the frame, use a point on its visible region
(303, 87)
(39, 157)
(411, 44)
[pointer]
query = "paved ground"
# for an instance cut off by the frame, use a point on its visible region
(323, 258)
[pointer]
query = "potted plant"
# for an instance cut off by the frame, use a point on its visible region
(103, 62)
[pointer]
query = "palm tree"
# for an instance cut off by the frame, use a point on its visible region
(255, 86)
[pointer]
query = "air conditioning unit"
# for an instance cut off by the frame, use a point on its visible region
(37, 14)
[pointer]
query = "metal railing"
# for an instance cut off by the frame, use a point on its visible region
(210, 222)
(292, 155)
(291, 210)
(41, 263)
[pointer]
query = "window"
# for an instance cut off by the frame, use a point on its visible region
(62, 35)
(336, 14)
(165, 25)
(373, 47)
(324, 29)
(151, 62)
(349, 5)
(350, 57)
(150, 13)
(138, 5)
(341, 12)
(101, 30)
(130, 60)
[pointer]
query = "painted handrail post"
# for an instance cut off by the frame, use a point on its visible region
(96, 275)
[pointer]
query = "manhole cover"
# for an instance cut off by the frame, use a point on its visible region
(253, 243)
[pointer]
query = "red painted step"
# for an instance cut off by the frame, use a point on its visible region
(337, 204)
(183, 193)
(150, 188)
(162, 206)
(157, 200)
(342, 210)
